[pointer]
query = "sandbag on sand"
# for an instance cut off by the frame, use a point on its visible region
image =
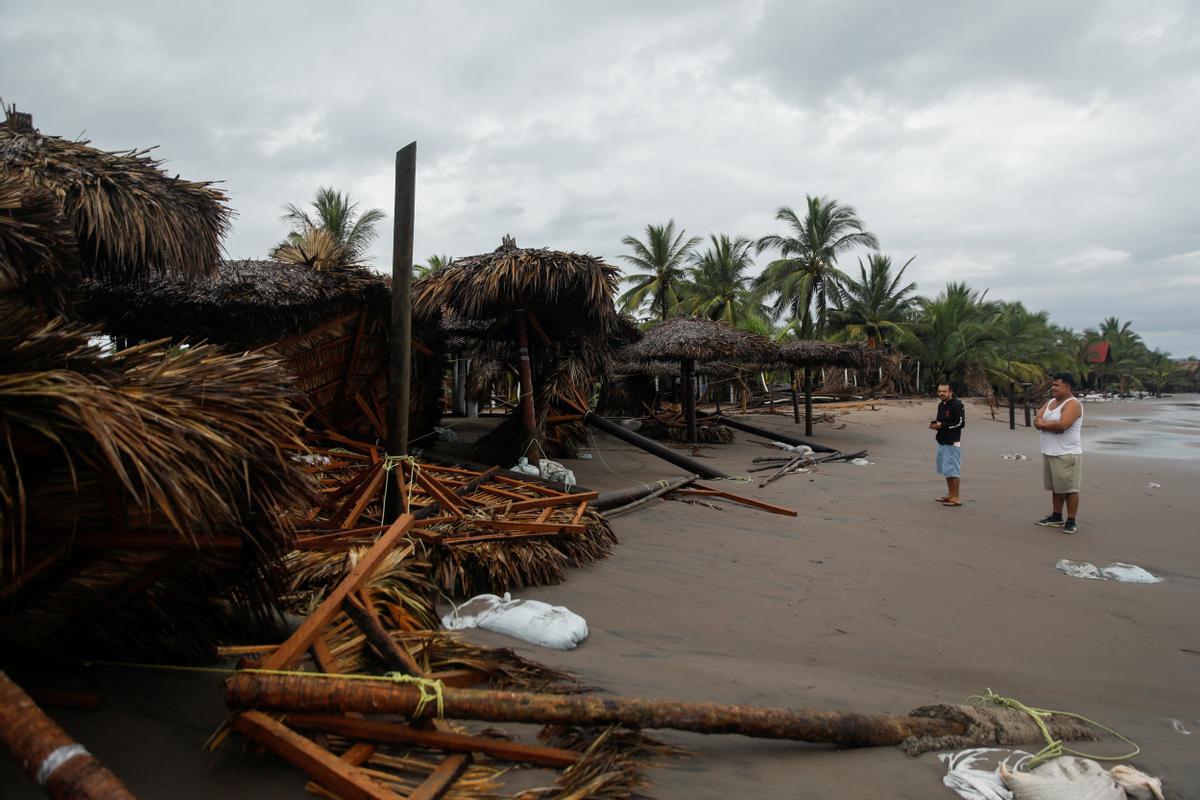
(530, 620)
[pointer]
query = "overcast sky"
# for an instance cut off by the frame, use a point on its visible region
(1049, 152)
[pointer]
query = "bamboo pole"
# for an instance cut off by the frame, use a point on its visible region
(330, 695)
(47, 755)
(652, 492)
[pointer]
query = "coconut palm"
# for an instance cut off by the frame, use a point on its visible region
(805, 276)
(955, 334)
(433, 264)
(876, 306)
(346, 230)
(1161, 368)
(662, 260)
(720, 287)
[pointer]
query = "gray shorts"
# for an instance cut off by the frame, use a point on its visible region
(1062, 474)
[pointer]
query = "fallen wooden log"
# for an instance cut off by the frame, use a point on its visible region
(775, 437)
(651, 446)
(652, 491)
(50, 757)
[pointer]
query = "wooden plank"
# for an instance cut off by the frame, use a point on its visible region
(445, 499)
(333, 323)
(579, 512)
(460, 678)
(750, 501)
(302, 638)
(442, 778)
(564, 500)
(364, 499)
(347, 781)
(322, 655)
(370, 415)
(31, 572)
(364, 616)
(351, 365)
(397, 733)
(494, 537)
(520, 526)
(537, 328)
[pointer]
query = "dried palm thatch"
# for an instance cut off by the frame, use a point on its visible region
(571, 294)
(467, 569)
(243, 304)
(187, 443)
(813, 353)
(38, 256)
(700, 340)
(316, 249)
(613, 763)
(130, 218)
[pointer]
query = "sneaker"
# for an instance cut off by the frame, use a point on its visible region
(1070, 527)
(1051, 521)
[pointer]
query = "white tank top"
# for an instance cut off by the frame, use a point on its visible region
(1069, 441)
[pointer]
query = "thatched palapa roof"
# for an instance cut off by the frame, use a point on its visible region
(245, 303)
(700, 340)
(568, 293)
(814, 353)
(38, 256)
(129, 217)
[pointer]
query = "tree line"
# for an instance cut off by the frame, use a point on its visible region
(958, 335)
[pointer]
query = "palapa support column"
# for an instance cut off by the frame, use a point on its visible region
(808, 429)
(687, 369)
(652, 447)
(329, 695)
(50, 757)
(795, 397)
(528, 414)
(400, 357)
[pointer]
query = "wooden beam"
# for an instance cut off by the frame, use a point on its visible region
(537, 328)
(396, 733)
(563, 500)
(750, 501)
(351, 365)
(393, 654)
(364, 499)
(31, 572)
(442, 778)
(290, 651)
(349, 782)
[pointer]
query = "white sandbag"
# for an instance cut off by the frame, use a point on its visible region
(529, 620)
(1137, 784)
(798, 449)
(1064, 778)
(554, 471)
(524, 467)
(974, 775)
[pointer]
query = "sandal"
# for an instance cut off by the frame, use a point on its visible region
(952, 504)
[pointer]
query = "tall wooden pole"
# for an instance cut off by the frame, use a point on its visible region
(795, 397)
(400, 365)
(528, 414)
(808, 401)
(687, 369)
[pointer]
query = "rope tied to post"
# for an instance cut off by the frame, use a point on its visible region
(1054, 747)
(390, 463)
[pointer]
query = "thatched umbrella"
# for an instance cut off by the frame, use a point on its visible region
(689, 340)
(129, 217)
(38, 256)
(563, 297)
(808, 353)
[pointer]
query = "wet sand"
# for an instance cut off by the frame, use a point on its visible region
(875, 599)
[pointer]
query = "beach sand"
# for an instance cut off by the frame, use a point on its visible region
(874, 599)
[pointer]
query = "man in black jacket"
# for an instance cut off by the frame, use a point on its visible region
(948, 432)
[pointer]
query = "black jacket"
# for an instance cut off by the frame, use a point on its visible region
(950, 414)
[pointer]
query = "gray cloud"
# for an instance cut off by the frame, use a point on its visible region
(1045, 151)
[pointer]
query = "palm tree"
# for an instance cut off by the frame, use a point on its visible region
(805, 276)
(876, 305)
(433, 264)
(954, 333)
(1160, 369)
(1129, 353)
(347, 234)
(720, 287)
(661, 259)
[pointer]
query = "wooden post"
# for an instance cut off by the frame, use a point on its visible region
(400, 361)
(528, 415)
(808, 401)
(1012, 406)
(795, 397)
(688, 394)
(1025, 403)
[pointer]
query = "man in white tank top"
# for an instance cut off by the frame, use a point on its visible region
(1060, 421)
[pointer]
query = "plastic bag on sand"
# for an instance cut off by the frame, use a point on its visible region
(1117, 571)
(1073, 778)
(995, 774)
(798, 449)
(524, 467)
(529, 620)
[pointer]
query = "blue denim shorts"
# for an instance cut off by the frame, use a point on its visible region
(949, 460)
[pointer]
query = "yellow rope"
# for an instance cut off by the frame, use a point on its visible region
(431, 689)
(389, 464)
(1054, 747)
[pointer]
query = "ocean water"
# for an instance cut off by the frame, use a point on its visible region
(1168, 428)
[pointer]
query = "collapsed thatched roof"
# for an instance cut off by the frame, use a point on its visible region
(568, 293)
(246, 303)
(701, 340)
(813, 353)
(129, 217)
(38, 257)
